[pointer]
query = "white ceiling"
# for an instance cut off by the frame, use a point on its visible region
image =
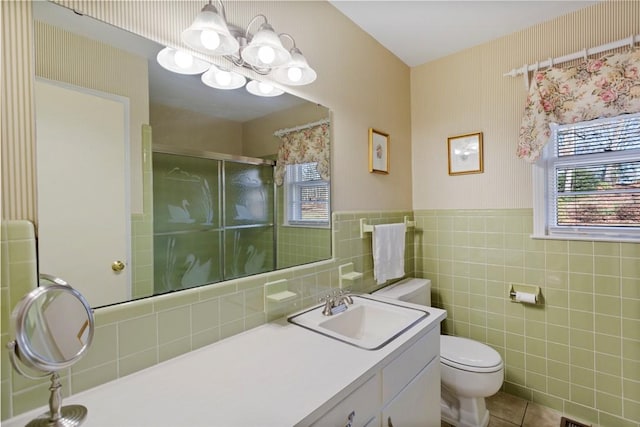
(420, 31)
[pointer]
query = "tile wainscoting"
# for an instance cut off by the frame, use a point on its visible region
(579, 351)
(132, 336)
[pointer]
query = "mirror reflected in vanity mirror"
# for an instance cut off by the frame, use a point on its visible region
(151, 182)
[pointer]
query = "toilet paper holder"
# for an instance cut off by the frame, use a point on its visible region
(528, 294)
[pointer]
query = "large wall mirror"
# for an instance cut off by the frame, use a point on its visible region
(151, 182)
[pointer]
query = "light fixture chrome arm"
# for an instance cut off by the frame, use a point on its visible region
(222, 9)
(290, 37)
(238, 61)
(247, 34)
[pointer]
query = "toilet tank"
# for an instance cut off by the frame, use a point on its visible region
(417, 291)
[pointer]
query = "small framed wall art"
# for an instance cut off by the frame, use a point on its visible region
(465, 154)
(378, 151)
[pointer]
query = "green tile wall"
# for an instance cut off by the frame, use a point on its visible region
(142, 227)
(299, 245)
(18, 277)
(135, 335)
(351, 248)
(579, 351)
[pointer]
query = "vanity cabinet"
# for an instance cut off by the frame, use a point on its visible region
(418, 404)
(359, 409)
(404, 392)
(323, 385)
(411, 385)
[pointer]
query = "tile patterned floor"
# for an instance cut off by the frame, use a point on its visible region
(511, 411)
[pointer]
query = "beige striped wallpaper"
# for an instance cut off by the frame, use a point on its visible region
(18, 142)
(66, 57)
(466, 92)
(341, 86)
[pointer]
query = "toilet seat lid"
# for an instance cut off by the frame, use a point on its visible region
(468, 355)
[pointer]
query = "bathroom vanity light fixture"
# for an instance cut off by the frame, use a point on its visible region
(181, 62)
(259, 88)
(210, 34)
(218, 78)
(262, 52)
(297, 71)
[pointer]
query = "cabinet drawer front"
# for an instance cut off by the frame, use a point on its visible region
(405, 367)
(364, 402)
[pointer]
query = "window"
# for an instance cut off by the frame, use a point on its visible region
(587, 184)
(307, 196)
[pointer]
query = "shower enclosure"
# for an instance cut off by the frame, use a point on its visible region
(213, 218)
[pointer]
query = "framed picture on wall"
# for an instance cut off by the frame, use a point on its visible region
(465, 154)
(378, 151)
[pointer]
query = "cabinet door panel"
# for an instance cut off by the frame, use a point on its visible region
(399, 373)
(418, 404)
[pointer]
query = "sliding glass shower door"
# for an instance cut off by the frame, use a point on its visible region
(249, 219)
(213, 219)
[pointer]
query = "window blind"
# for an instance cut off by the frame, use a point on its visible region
(308, 195)
(596, 174)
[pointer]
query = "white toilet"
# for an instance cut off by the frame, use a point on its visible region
(470, 370)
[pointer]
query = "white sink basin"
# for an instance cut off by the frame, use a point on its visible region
(367, 323)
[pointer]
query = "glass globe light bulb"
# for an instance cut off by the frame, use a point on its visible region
(294, 74)
(209, 39)
(223, 78)
(265, 87)
(183, 59)
(266, 54)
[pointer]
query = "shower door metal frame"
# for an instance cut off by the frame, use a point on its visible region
(222, 158)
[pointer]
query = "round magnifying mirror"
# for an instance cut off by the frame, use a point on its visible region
(54, 329)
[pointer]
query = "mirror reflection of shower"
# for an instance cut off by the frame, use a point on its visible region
(180, 213)
(251, 204)
(213, 218)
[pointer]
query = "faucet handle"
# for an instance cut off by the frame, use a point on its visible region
(347, 298)
(328, 302)
(331, 296)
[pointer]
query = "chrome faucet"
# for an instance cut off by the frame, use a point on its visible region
(336, 303)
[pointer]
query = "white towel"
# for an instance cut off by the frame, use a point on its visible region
(388, 251)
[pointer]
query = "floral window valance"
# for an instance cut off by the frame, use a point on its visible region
(307, 145)
(604, 87)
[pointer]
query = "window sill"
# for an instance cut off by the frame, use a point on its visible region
(587, 238)
(322, 227)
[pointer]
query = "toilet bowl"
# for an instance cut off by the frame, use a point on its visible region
(469, 370)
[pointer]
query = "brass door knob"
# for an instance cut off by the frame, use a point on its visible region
(117, 266)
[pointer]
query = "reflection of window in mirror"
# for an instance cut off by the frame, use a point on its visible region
(306, 196)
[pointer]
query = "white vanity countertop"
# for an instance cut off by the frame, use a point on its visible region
(275, 375)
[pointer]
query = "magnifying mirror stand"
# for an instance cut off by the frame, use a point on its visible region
(58, 416)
